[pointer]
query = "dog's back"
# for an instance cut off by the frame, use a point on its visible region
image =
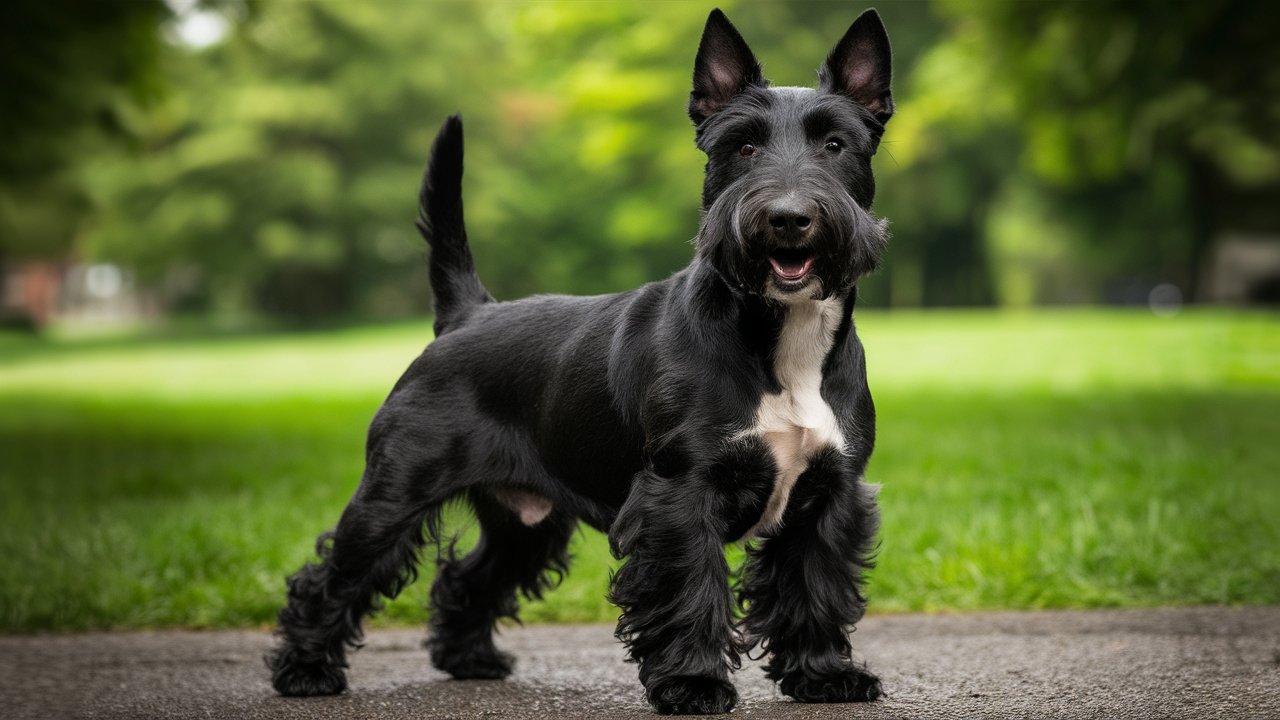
(527, 386)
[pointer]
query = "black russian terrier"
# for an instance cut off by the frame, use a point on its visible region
(728, 402)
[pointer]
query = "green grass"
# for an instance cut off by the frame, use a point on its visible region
(1048, 459)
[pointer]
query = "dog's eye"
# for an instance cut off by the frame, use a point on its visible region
(834, 145)
(747, 150)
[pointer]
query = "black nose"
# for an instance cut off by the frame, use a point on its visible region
(790, 219)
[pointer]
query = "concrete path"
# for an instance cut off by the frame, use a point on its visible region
(1168, 663)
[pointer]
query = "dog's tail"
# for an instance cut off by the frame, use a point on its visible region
(454, 281)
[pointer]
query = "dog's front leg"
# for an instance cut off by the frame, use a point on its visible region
(673, 589)
(802, 587)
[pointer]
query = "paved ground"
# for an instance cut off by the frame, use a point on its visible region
(1192, 663)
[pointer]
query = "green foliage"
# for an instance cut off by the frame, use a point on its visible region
(1126, 135)
(1068, 459)
(74, 76)
(1042, 152)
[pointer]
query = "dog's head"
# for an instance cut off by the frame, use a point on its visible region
(788, 190)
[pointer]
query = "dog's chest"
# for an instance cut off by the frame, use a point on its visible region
(796, 423)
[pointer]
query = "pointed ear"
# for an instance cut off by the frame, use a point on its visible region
(724, 68)
(859, 66)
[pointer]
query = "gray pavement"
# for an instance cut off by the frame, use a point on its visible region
(1165, 663)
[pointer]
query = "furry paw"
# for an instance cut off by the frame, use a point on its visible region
(476, 662)
(692, 695)
(850, 685)
(297, 680)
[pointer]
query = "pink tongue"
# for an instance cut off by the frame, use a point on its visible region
(792, 272)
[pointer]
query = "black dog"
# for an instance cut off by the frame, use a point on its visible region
(727, 402)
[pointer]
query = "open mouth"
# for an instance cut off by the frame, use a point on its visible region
(791, 264)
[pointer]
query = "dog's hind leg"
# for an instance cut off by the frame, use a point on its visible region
(471, 593)
(371, 554)
(801, 588)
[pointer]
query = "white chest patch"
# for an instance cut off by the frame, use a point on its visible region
(796, 422)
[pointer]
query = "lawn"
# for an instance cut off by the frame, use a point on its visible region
(1045, 459)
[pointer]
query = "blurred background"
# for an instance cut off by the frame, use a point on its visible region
(209, 278)
(237, 160)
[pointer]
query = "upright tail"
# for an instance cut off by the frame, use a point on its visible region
(454, 281)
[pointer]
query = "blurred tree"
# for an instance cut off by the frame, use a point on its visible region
(1042, 152)
(281, 179)
(74, 76)
(284, 178)
(1143, 130)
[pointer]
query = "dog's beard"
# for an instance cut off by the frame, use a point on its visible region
(735, 239)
